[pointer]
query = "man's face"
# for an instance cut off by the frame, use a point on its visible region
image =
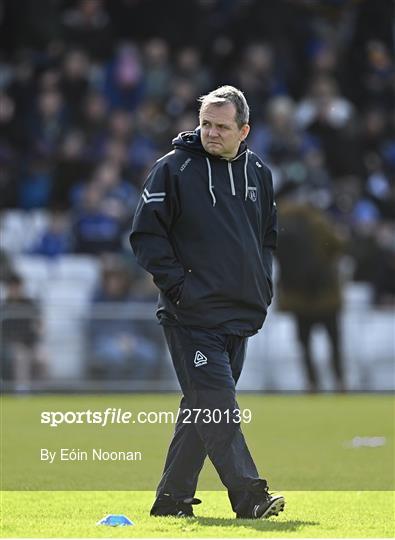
(220, 134)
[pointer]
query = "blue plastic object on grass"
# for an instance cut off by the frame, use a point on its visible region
(115, 520)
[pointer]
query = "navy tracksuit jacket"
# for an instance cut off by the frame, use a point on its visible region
(205, 228)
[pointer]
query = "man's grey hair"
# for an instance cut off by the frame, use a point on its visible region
(228, 94)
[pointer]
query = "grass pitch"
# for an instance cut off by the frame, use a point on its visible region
(307, 514)
(315, 449)
(299, 443)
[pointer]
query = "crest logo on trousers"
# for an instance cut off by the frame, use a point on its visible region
(200, 359)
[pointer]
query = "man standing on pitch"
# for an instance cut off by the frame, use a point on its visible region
(205, 228)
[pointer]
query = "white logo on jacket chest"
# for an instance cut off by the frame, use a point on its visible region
(200, 359)
(252, 193)
(185, 164)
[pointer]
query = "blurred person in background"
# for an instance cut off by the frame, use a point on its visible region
(120, 126)
(296, 158)
(189, 67)
(308, 252)
(378, 77)
(88, 27)
(74, 82)
(6, 269)
(151, 125)
(124, 83)
(101, 210)
(96, 227)
(8, 152)
(71, 167)
(364, 247)
(35, 182)
(324, 58)
(48, 121)
(385, 282)
(182, 99)
(158, 70)
(118, 142)
(259, 75)
(55, 240)
(117, 347)
(117, 193)
(22, 357)
(22, 89)
(277, 136)
(93, 125)
(8, 126)
(327, 115)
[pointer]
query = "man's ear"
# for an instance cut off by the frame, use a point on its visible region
(244, 132)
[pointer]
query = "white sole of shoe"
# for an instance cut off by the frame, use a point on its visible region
(276, 506)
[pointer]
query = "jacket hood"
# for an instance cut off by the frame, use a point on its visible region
(191, 141)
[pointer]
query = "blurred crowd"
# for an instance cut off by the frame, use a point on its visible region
(92, 93)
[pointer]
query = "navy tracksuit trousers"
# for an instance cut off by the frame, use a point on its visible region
(208, 366)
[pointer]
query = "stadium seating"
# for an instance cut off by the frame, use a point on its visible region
(64, 287)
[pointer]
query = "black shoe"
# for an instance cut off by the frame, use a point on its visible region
(261, 503)
(165, 505)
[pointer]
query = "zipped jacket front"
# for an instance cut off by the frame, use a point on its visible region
(205, 228)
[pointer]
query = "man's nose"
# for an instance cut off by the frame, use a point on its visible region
(213, 132)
